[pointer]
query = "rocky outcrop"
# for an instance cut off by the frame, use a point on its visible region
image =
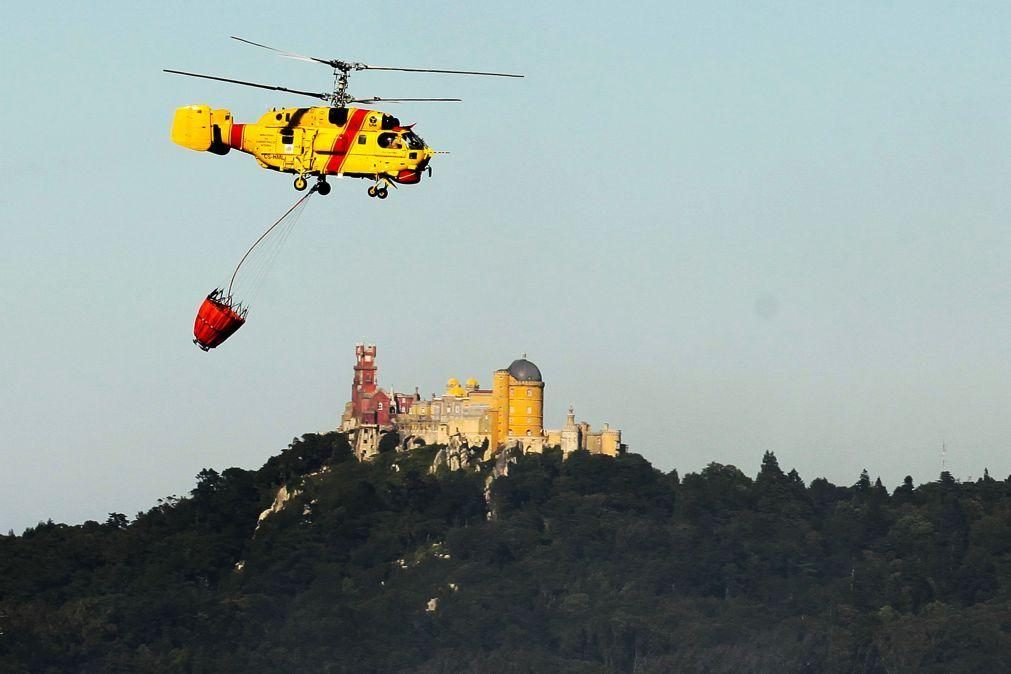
(509, 455)
(457, 455)
(280, 499)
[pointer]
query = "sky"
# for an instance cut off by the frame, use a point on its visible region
(721, 227)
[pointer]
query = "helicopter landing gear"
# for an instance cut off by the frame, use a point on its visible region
(323, 187)
(300, 183)
(380, 188)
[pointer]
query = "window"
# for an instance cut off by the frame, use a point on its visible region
(529, 393)
(390, 141)
(414, 141)
(530, 410)
(379, 406)
(338, 116)
(361, 139)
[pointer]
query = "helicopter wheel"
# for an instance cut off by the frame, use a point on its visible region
(373, 191)
(323, 187)
(382, 193)
(300, 183)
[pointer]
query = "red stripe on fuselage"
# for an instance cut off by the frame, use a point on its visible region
(344, 141)
(236, 139)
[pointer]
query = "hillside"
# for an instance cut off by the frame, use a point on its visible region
(588, 564)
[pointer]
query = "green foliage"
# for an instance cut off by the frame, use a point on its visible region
(579, 564)
(389, 442)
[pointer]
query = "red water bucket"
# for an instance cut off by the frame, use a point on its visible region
(217, 319)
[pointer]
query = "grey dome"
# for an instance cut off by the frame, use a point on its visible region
(524, 370)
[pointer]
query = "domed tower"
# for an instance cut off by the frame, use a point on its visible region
(453, 388)
(526, 400)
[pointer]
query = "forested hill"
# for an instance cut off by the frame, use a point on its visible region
(588, 564)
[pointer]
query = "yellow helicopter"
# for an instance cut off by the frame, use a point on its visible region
(336, 140)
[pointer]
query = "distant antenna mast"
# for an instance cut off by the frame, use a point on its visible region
(944, 457)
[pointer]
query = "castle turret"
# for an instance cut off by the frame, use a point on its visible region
(454, 389)
(500, 405)
(610, 441)
(369, 403)
(366, 371)
(570, 433)
(526, 400)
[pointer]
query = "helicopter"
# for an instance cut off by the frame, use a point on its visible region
(336, 140)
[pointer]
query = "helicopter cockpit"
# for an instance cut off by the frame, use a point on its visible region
(392, 140)
(414, 141)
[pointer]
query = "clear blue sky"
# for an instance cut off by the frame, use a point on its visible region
(732, 226)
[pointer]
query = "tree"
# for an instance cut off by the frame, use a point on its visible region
(864, 483)
(117, 521)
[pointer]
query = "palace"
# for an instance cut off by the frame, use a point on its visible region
(510, 413)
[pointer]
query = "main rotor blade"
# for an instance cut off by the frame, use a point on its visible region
(335, 63)
(376, 99)
(433, 70)
(286, 54)
(324, 97)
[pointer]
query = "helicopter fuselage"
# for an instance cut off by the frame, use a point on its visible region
(315, 141)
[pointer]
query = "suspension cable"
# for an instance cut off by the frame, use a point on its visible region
(264, 235)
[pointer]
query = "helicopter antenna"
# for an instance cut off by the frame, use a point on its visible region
(343, 69)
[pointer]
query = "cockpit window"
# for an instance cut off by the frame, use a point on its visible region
(390, 141)
(414, 141)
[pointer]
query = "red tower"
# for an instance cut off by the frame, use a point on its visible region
(369, 403)
(366, 372)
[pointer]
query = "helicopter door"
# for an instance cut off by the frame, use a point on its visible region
(290, 149)
(390, 152)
